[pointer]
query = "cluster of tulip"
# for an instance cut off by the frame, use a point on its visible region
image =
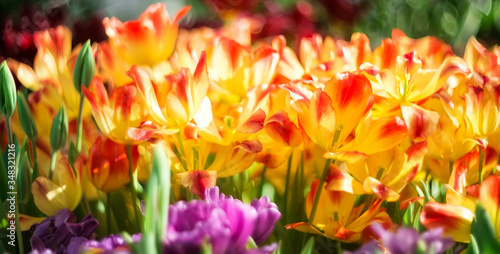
(340, 137)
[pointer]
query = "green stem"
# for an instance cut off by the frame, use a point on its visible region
(108, 211)
(237, 192)
(52, 164)
(339, 247)
(263, 178)
(9, 130)
(132, 185)
(79, 136)
(287, 183)
(35, 160)
(18, 228)
(86, 206)
(318, 190)
(181, 151)
(481, 159)
(450, 164)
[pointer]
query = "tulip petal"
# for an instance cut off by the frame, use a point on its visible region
(455, 220)
(198, 181)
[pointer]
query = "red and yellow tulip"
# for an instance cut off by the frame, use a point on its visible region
(154, 31)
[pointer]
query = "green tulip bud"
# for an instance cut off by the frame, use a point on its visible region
(26, 117)
(59, 130)
(84, 70)
(7, 91)
(23, 179)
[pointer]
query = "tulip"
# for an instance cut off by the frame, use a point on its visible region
(175, 101)
(236, 69)
(483, 109)
(489, 195)
(108, 165)
(114, 114)
(84, 70)
(337, 216)
(63, 191)
(61, 233)
(455, 220)
(26, 117)
(332, 113)
(59, 130)
(8, 97)
(148, 40)
(52, 70)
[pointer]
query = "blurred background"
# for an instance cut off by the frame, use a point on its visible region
(453, 21)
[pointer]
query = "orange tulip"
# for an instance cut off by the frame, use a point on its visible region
(236, 69)
(407, 81)
(483, 109)
(148, 40)
(108, 165)
(114, 68)
(289, 67)
(489, 195)
(173, 102)
(383, 173)
(332, 113)
(337, 216)
(115, 114)
(52, 69)
(323, 58)
(455, 220)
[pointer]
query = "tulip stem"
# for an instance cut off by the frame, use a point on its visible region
(79, 131)
(181, 151)
(339, 247)
(52, 164)
(35, 159)
(263, 178)
(481, 159)
(451, 166)
(132, 185)
(318, 190)
(108, 212)
(9, 129)
(287, 183)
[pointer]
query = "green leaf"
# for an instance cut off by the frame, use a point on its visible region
(123, 211)
(473, 248)
(26, 117)
(73, 153)
(59, 130)
(408, 216)
(309, 247)
(157, 203)
(484, 232)
(8, 97)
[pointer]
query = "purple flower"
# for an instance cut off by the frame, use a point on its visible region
(406, 240)
(224, 223)
(61, 234)
(110, 244)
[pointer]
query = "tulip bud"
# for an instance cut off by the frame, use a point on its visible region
(7, 91)
(59, 130)
(23, 179)
(26, 117)
(108, 165)
(84, 70)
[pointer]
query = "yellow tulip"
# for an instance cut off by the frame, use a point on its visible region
(63, 191)
(153, 31)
